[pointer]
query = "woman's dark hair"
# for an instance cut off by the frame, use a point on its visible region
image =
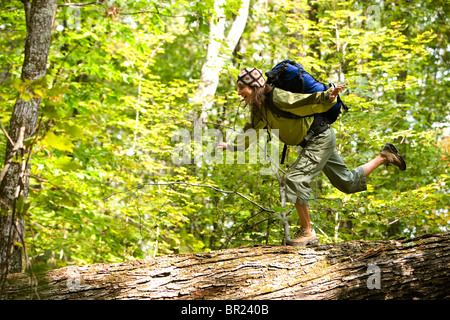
(258, 100)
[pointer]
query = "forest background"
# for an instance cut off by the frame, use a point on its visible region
(124, 78)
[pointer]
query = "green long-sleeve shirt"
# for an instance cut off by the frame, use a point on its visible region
(291, 131)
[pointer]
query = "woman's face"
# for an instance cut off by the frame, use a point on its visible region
(245, 92)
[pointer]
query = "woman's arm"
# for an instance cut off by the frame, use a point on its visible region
(242, 144)
(306, 104)
(335, 92)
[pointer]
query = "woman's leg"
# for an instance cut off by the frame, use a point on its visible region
(303, 214)
(309, 164)
(370, 166)
(345, 180)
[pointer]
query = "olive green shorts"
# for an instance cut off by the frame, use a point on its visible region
(320, 155)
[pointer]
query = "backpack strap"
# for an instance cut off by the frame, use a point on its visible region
(283, 155)
(319, 125)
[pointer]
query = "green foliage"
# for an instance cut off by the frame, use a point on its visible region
(118, 88)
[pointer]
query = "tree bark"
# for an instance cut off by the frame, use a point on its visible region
(14, 182)
(398, 269)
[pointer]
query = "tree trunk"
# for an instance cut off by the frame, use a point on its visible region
(212, 68)
(14, 175)
(398, 269)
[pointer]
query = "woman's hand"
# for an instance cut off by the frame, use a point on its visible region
(222, 145)
(336, 91)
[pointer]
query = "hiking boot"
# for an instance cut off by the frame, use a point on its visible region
(392, 156)
(303, 237)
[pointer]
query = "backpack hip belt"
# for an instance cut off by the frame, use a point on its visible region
(318, 126)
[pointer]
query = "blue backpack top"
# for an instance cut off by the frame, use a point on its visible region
(290, 76)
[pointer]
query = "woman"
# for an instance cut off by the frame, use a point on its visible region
(319, 153)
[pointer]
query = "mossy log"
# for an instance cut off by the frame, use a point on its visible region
(397, 269)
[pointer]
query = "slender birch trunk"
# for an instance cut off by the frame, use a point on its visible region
(215, 62)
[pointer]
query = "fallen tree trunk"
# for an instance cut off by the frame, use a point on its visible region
(398, 269)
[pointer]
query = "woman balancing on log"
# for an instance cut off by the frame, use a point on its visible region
(318, 141)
